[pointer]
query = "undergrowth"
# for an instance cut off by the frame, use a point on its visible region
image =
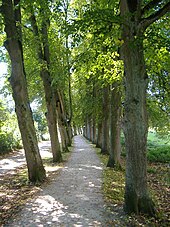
(158, 181)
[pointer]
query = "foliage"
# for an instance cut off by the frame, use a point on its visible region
(157, 57)
(40, 119)
(159, 154)
(158, 148)
(3, 114)
(9, 132)
(8, 142)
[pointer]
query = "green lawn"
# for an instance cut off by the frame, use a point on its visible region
(158, 148)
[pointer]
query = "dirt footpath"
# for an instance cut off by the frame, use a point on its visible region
(74, 198)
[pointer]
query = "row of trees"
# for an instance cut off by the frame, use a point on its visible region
(36, 19)
(94, 49)
(115, 54)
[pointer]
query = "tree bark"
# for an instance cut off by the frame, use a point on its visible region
(99, 135)
(94, 131)
(61, 124)
(36, 171)
(88, 128)
(64, 117)
(75, 129)
(44, 59)
(135, 122)
(51, 117)
(115, 129)
(91, 128)
(105, 122)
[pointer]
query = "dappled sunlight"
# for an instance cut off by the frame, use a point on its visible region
(12, 163)
(45, 149)
(91, 184)
(81, 149)
(52, 168)
(47, 209)
(95, 167)
(71, 199)
(17, 160)
(47, 204)
(118, 184)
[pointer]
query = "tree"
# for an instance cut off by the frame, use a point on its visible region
(98, 41)
(136, 17)
(62, 122)
(12, 18)
(157, 57)
(115, 126)
(43, 54)
(105, 120)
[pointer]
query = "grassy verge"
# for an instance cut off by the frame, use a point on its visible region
(158, 149)
(159, 186)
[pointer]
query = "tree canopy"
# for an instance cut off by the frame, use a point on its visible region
(98, 66)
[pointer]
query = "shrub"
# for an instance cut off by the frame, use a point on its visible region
(159, 153)
(8, 142)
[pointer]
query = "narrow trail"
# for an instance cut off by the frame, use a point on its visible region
(73, 198)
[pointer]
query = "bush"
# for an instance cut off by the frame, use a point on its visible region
(159, 153)
(8, 142)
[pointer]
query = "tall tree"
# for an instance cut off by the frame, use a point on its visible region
(12, 19)
(62, 122)
(63, 13)
(115, 126)
(105, 120)
(136, 17)
(43, 54)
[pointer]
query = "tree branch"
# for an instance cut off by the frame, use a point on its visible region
(150, 5)
(152, 18)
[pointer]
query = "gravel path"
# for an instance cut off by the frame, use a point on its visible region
(74, 198)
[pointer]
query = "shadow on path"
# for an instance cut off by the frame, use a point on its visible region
(73, 198)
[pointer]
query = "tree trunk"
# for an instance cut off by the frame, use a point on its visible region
(91, 129)
(85, 129)
(135, 122)
(115, 114)
(36, 171)
(68, 136)
(61, 126)
(99, 135)
(51, 117)
(94, 131)
(75, 129)
(44, 58)
(105, 121)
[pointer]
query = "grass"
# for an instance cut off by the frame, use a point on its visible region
(158, 149)
(114, 182)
